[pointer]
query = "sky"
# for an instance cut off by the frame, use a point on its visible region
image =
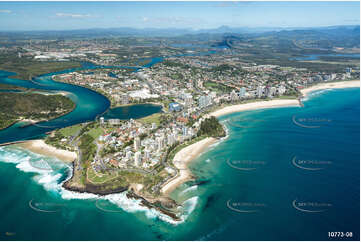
(195, 15)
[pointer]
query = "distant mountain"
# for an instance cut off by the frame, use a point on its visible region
(321, 38)
(172, 32)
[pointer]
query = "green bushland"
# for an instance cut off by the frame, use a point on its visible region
(211, 127)
(4, 86)
(32, 106)
(26, 68)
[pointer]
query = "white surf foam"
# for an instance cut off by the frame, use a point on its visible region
(49, 179)
(189, 205)
(315, 94)
(189, 189)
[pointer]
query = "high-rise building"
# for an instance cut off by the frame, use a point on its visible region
(114, 121)
(137, 158)
(146, 154)
(281, 90)
(267, 91)
(160, 143)
(204, 101)
(170, 139)
(125, 99)
(191, 132)
(259, 91)
(175, 107)
(101, 120)
(185, 131)
(136, 143)
(188, 100)
(272, 92)
(128, 155)
(242, 92)
(234, 96)
(213, 95)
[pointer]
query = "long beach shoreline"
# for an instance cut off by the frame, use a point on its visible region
(189, 153)
(40, 147)
(181, 160)
(183, 157)
(255, 105)
(331, 85)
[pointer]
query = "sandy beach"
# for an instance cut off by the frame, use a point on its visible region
(40, 147)
(180, 161)
(255, 105)
(187, 154)
(343, 84)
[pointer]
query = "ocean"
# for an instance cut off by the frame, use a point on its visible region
(281, 174)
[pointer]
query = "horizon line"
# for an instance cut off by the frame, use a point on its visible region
(185, 28)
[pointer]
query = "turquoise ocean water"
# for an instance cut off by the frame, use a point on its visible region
(281, 174)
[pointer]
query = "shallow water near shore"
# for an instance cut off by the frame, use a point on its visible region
(247, 184)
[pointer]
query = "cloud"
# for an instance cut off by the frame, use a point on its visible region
(72, 15)
(5, 11)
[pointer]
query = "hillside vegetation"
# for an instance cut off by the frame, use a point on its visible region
(18, 106)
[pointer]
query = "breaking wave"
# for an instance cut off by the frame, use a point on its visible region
(189, 189)
(315, 93)
(51, 180)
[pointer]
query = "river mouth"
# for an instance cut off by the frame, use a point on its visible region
(90, 104)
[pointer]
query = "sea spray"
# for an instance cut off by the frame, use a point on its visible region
(50, 180)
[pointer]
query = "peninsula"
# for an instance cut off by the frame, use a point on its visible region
(32, 107)
(148, 157)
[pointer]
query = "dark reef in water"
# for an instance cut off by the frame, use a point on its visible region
(210, 200)
(98, 190)
(159, 205)
(200, 182)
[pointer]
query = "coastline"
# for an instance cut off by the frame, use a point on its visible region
(40, 147)
(183, 157)
(189, 153)
(332, 85)
(181, 160)
(255, 105)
